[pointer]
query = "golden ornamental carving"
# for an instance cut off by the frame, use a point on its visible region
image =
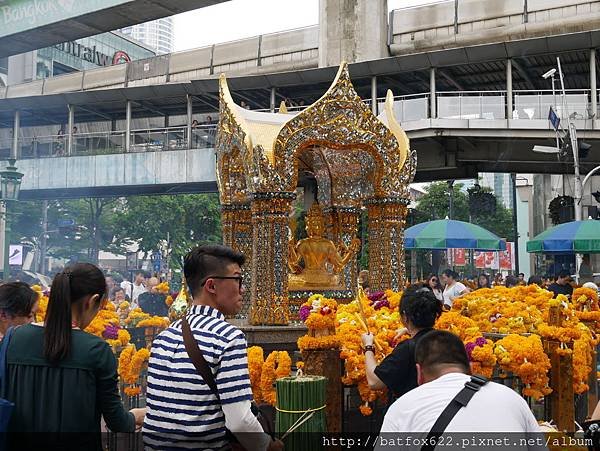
(357, 161)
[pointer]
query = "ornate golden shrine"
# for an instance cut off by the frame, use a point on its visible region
(358, 161)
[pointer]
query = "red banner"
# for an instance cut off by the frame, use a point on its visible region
(506, 257)
(459, 257)
(479, 260)
(491, 260)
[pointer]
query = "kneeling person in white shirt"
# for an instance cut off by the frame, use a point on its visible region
(442, 370)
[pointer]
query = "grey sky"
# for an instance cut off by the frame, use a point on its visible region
(239, 19)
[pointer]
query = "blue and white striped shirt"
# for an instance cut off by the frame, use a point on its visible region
(182, 412)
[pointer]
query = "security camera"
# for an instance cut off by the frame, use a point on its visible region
(549, 74)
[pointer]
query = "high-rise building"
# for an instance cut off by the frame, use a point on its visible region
(501, 185)
(157, 34)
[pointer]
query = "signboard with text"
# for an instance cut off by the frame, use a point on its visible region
(17, 16)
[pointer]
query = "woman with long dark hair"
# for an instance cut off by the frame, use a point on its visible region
(483, 281)
(433, 283)
(61, 378)
(419, 309)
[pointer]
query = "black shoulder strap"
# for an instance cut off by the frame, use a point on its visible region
(460, 400)
(3, 358)
(197, 358)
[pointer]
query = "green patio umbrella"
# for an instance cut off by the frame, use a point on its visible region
(451, 234)
(575, 237)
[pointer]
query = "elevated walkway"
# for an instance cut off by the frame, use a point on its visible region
(469, 135)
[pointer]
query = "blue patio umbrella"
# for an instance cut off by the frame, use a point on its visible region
(581, 237)
(447, 233)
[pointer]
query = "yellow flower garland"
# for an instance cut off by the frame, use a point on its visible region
(131, 363)
(525, 357)
(162, 288)
(277, 365)
(154, 321)
(256, 360)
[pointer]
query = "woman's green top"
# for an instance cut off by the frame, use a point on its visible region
(70, 396)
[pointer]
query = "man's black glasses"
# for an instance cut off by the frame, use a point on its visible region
(238, 278)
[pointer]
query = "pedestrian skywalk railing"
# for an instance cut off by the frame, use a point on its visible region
(528, 105)
(110, 142)
(464, 105)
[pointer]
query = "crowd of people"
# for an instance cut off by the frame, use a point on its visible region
(448, 287)
(75, 373)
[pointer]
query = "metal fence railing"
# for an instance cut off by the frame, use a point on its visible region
(466, 105)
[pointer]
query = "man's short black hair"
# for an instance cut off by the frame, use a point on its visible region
(141, 272)
(564, 273)
(535, 279)
(420, 306)
(209, 260)
(440, 348)
(511, 281)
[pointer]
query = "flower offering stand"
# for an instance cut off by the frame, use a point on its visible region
(560, 404)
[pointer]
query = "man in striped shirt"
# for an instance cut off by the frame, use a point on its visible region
(182, 411)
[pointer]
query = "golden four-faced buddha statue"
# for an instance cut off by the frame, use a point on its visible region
(322, 260)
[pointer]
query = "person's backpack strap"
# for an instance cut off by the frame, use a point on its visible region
(195, 354)
(460, 400)
(3, 354)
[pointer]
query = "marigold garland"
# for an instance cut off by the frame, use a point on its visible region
(131, 363)
(123, 338)
(277, 365)
(383, 320)
(256, 360)
(525, 357)
(135, 316)
(40, 316)
(154, 321)
(162, 288)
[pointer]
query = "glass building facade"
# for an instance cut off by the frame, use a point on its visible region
(92, 52)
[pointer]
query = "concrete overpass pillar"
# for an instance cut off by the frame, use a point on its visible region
(432, 94)
(352, 30)
(374, 95)
(509, 90)
(593, 85)
(15, 138)
(70, 125)
(127, 125)
(188, 99)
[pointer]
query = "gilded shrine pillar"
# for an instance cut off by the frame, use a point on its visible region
(236, 225)
(270, 238)
(386, 223)
(342, 228)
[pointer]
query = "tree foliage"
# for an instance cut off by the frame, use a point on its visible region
(94, 220)
(184, 220)
(114, 224)
(435, 204)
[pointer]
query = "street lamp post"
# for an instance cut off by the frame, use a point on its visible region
(10, 185)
